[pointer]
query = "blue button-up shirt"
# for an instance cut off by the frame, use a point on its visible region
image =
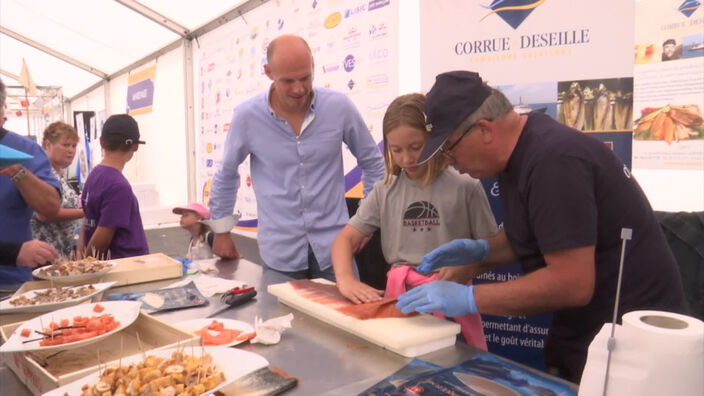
(298, 181)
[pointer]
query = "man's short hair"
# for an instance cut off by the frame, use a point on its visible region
(669, 41)
(272, 47)
(496, 105)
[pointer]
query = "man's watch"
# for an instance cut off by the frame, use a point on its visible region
(19, 175)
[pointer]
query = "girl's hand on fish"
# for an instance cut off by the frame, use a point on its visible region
(358, 292)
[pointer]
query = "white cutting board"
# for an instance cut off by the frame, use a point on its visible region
(410, 336)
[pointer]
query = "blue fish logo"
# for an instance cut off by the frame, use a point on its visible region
(689, 7)
(513, 12)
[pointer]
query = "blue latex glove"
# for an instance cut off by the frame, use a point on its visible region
(449, 298)
(454, 253)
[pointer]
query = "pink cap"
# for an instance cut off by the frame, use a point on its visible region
(194, 207)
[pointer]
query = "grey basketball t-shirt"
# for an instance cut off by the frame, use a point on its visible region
(414, 221)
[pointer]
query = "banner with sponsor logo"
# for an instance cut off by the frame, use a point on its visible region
(140, 91)
(354, 44)
(570, 59)
(669, 85)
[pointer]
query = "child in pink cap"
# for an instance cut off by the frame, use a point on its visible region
(201, 243)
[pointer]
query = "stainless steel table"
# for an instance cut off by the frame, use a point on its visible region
(325, 360)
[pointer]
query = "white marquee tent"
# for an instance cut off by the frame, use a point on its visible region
(82, 51)
(75, 44)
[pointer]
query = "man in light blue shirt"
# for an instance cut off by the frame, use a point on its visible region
(293, 134)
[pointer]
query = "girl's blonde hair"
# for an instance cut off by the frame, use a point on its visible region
(57, 130)
(407, 110)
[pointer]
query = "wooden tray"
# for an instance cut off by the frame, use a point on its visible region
(147, 268)
(69, 365)
(139, 269)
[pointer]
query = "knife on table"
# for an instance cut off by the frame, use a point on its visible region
(234, 297)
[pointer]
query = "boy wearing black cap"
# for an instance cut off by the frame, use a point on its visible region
(112, 221)
(565, 197)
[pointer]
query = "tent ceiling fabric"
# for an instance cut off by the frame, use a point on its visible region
(102, 34)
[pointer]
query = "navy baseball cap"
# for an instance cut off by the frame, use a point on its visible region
(122, 125)
(454, 97)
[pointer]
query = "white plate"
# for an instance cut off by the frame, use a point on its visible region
(76, 278)
(124, 312)
(197, 324)
(235, 364)
(6, 307)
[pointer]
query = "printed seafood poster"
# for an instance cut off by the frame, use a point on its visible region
(669, 85)
(483, 374)
(572, 60)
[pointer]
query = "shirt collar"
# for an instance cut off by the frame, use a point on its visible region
(267, 95)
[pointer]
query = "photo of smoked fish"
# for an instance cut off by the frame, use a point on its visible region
(603, 114)
(572, 107)
(670, 123)
(623, 110)
(599, 105)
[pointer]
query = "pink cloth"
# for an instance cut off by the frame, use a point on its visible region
(399, 277)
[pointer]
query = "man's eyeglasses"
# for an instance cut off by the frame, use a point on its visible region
(447, 152)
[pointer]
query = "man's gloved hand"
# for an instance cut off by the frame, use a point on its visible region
(449, 298)
(454, 253)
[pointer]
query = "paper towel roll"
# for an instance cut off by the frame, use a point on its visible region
(655, 353)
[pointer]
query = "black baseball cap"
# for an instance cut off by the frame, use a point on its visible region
(122, 125)
(454, 97)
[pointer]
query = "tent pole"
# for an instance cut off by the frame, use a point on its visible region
(26, 100)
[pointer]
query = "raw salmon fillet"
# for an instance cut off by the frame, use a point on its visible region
(330, 296)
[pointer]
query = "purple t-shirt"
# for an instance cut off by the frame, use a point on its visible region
(108, 201)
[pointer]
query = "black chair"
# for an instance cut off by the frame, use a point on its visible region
(370, 261)
(685, 234)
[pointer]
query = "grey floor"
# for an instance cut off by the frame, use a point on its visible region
(173, 241)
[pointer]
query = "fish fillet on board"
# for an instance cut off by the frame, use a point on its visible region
(408, 336)
(330, 296)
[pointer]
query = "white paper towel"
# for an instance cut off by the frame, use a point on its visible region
(656, 353)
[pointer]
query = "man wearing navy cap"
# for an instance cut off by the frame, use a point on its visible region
(565, 197)
(112, 222)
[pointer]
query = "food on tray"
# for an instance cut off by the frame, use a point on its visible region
(97, 308)
(25, 332)
(182, 374)
(153, 299)
(216, 334)
(222, 335)
(330, 296)
(81, 329)
(670, 123)
(54, 295)
(86, 265)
